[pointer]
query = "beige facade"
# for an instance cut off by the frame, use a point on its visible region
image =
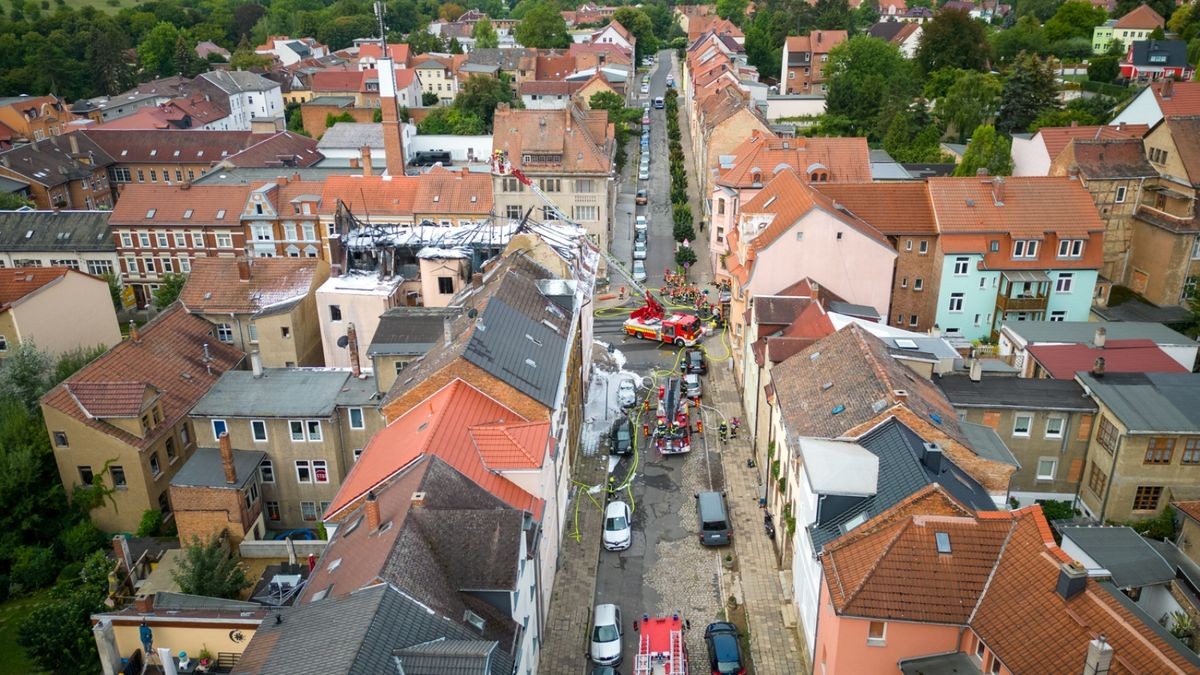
(358, 300)
(285, 339)
(39, 316)
(1165, 261)
(441, 279)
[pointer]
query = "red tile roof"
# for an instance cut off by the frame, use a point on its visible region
(816, 42)
(847, 160)
(1142, 18)
(440, 425)
(371, 195)
(1120, 356)
(169, 357)
(1032, 204)
(789, 197)
(162, 205)
(23, 281)
(584, 139)
(511, 446)
(334, 80)
(1184, 99)
(278, 150)
(1056, 138)
(172, 146)
(398, 52)
(111, 399)
(213, 286)
(549, 87)
(893, 208)
(1190, 508)
(453, 192)
(554, 66)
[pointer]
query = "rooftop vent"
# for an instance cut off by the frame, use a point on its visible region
(838, 409)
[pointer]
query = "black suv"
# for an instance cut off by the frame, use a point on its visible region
(622, 437)
(724, 652)
(694, 362)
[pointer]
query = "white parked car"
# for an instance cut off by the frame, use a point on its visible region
(640, 223)
(645, 89)
(618, 530)
(627, 392)
(644, 174)
(606, 635)
(639, 271)
(639, 250)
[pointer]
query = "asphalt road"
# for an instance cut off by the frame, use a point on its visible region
(665, 569)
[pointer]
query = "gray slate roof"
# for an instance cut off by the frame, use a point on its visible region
(51, 231)
(1015, 392)
(1123, 552)
(281, 392)
(351, 135)
(1175, 52)
(446, 657)
(367, 627)
(987, 443)
(244, 175)
(235, 81)
(51, 162)
(1133, 311)
(410, 331)
(901, 474)
(1082, 332)
(506, 59)
(205, 469)
(1150, 402)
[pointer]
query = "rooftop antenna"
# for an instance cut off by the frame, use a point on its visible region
(379, 8)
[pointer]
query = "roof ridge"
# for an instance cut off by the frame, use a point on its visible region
(902, 527)
(992, 574)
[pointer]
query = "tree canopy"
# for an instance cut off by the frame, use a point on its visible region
(864, 78)
(642, 28)
(953, 40)
(485, 35)
(479, 96)
(1074, 19)
(208, 569)
(987, 150)
(543, 27)
(969, 102)
(1029, 90)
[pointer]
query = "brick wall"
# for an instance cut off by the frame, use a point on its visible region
(907, 301)
(313, 116)
(202, 512)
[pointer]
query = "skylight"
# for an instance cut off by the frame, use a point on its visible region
(220, 214)
(905, 343)
(150, 213)
(943, 541)
(187, 214)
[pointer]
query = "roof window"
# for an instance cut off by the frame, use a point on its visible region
(187, 214)
(220, 214)
(943, 542)
(150, 213)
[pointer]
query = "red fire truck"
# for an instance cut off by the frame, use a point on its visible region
(672, 431)
(661, 650)
(650, 322)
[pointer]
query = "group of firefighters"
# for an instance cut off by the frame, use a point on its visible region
(679, 291)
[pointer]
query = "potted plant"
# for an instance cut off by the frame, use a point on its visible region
(205, 657)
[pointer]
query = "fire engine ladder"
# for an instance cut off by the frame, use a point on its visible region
(502, 167)
(643, 661)
(678, 665)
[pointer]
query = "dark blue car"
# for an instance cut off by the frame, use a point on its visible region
(724, 652)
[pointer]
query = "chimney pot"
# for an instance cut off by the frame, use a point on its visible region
(133, 331)
(477, 279)
(256, 364)
(243, 267)
(1072, 579)
(1100, 337)
(447, 335)
(144, 603)
(372, 508)
(1098, 367)
(227, 458)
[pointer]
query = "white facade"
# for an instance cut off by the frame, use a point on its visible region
(1030, 157)
(462, 149)
(251, 97)
(610, 36)
(794, 105)
(1143, 109)
(359, 299)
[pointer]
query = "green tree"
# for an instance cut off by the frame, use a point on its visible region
(429, 98)
(451, 121)
(969, 102)
(1029, 90)
(168, 290)
(1074, 18)
(106, 45)
(485, 35)
(733, 10)
(543, 28)
(987, 150)
(642, 28)
(864, 77)
(421, 41)
(913, 137)
(1041, 10)
(1026, 35)
(331, 119)
(1063, 118)
(156, 53)
(479, 96)
(186, 61)
(244, 58)
(72, 361)
(685, 256)
(12, 200)
(340, 32)
(832, 14)
(207, 568)
(57, 634)
(25, 374)
(451, 11)
(953, 40)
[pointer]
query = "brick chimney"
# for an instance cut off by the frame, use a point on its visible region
(372, 509)
(227, 458)
(1168, 89)
(144, 604)
(1098, 367)
(243, 265)
(133, 331)
(366, 160)
(393, 142)
(352, 345)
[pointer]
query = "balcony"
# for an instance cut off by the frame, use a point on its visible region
(1024, 303)
(1023, 291)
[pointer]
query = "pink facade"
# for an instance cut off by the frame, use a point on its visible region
(842, 644)
(723, 212)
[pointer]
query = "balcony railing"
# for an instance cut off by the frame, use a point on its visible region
(1026, 303)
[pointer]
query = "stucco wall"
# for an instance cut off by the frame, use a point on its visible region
(85, 299)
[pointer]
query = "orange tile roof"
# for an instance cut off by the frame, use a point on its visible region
(169, 356)
(1185, 132)
(893, 208)
(334, 80)
(398, 52)
(847, 160)
(1190, 508)
(371, 195)
(789, 197)
(817, 42)
(554, 66)
(441, 426)
(1056, 138)
(445, 191)
(213, 286)
(18, 283)
(1032, 204)
(1184, 100)
(584, 139)
(207, 204)
(1141, 18)
(110, 399)
(511, 446)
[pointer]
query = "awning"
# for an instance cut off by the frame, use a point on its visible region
(1026, 275)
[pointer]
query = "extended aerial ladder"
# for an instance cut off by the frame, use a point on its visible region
(660, 649)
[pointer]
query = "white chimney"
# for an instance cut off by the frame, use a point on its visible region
(976, 370)
(256, 364)
(1100, 337)
(1099, 657)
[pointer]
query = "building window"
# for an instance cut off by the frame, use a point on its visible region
(980, 650)
(160, 239)
(314, 430)
(259, 430)
(1191, 451)
(197, 240)
(85, 475)
(335, 312)
(356, 419)
(512, 185)
(144, 239)
(1196, 248)
(252, 332)
(99, 268)
(164, 502)
(141, 176)
(225, 333)
(912, 320)
(923, 247)
(154, 176)
(1064, 282)
(1058, 315)
(1108, 436)
(320, 471)
(185, 435)
(224, 240)
(1146, 497)
(996, 667)
(266, 471)
(1070, 248)
(309, 231)
(877, 633)
(357, 453)
(586, 213)
(1025, 248)
(169, 444)
(297, 428)
(285, 332)
(60, 439)
(904, 282)
(1021, 424)
(400, 365)
(303, 471)
(308, 511)
(512, 212)
(155, 469)
(1096, 481)
(908, 244)
(1046, 468)
(118, 476)
(961, 265)
(272, 511)
(1054, 427)
(918, 284)
(956, 302)
(1159, 450)
(219, 427)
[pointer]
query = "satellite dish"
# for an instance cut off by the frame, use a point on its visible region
(472, 313)
(343, 342)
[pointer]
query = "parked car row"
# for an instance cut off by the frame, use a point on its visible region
(721, 639)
